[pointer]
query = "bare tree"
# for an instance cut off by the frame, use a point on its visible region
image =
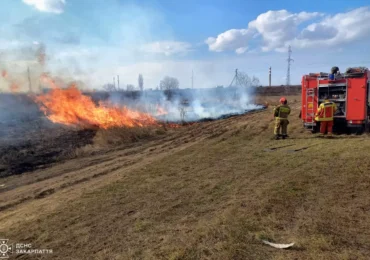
(255, 81)
(168, 85)
(130, 87)
(112, 88)
(109, 87)
(141, 82)
(243, 79)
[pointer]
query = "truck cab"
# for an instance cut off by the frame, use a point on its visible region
(349, 91)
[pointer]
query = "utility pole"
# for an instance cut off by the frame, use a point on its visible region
(114, 82)
(237, 82)
(270, 77)
(236, 78)
(288, 71)
(117, 81)
(29, 80)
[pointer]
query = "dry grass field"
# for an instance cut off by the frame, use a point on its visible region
(210, 190)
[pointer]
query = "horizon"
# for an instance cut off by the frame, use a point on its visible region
(165, 38)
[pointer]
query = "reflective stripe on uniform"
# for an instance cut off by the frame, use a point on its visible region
(283, 112)
(325, 112)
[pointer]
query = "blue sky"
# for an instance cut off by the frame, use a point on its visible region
(94, 40)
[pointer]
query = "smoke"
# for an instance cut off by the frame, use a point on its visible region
(188, 105)
(46, 45)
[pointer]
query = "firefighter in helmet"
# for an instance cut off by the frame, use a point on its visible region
(325, 115)
(281, 113)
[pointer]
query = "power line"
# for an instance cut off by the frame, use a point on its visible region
(289, 61)
(236, 79)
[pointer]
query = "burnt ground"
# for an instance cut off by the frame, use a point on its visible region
(28, 140)
(39, 150)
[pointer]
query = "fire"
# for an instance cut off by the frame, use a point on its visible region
(48, 80)
(14, 88)
(161, 111)
(69, 106)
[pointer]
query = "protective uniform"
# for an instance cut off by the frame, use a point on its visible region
(281, 113)
(325, 115)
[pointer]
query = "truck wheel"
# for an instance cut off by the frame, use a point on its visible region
(316, 129)
(358, 130)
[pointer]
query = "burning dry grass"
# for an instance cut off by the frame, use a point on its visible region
(216, 199)
(30, 141)
(69, 106)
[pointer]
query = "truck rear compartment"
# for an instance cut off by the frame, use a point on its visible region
(350, 94)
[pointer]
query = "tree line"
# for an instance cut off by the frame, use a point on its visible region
(169, 84)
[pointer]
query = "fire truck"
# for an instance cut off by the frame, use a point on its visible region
(349, 91)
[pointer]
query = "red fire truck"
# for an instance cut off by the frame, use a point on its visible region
(351, 93)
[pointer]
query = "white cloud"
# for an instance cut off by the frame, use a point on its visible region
(166, 47)
(336, 30)
(234, 39)
(241, 50)
(50, 6)
(275, 28)
(278, 29)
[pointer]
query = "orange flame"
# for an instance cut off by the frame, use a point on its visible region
(46, 79)
(69, 106)
(161, 111)
(4, 74)
(14, 88)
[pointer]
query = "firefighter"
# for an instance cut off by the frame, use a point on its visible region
(325, 115)
(281, 113)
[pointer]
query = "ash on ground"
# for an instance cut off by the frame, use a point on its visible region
(28, 140)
